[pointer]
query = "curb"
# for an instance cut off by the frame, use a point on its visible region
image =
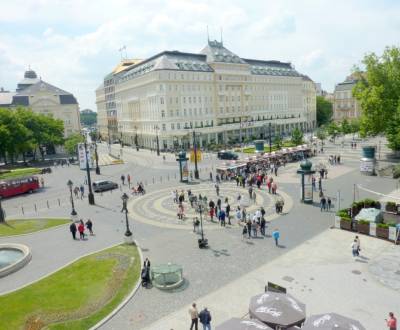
(56, 270)
(125, 301)
(38, 231)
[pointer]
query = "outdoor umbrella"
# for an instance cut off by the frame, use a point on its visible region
(240, 324)
(277, 309)
(331, 321)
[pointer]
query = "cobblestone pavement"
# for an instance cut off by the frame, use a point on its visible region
(158, 208)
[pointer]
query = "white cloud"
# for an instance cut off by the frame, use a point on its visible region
(74, 43)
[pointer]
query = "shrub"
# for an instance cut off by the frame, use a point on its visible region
(363, 222)
(392, 224)
(391, 207)
(396, 172)
(382, 225)
(342, 213)
(345, 218)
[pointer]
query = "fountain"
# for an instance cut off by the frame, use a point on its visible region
(13, 257)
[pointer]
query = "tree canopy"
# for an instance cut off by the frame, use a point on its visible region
(22, 130)
(324, 111)
(88, 118)
(71, 143)
(378, 91)
(297, 137)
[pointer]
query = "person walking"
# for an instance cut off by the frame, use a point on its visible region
(42, 182)
(244, 231)
(254, 197)
(81, 229)
(205, 319)
(391, 322)
(72, 229)
(276, 235)
(358, 245)
(194, 317)
(238, 214)
(329, 203)
(211, 176)
(248, 224)
(123, 179)
(221, 216)
(217, 188)
(129, 180)
(89, 226)
(82, 190)
(227, 212)
(354, 248)
(250, 192)
(254, 228)
(323, 203)
(262, 226)
(76, 192)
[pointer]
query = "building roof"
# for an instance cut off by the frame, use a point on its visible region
(214, 52)
(42, 86)
(30, 78)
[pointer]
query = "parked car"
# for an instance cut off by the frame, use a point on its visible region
(227, 155)
(99, 186)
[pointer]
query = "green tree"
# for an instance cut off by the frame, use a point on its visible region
(345, 126)
(297, 137)
(324, 111)
(333, 130)
(88, 117)
(355, 125)
(378, 92)
(321, 134)
(71, 143)
(278, 141)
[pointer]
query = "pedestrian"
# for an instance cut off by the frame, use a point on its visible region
(76, 192)
(123, 179)
(276, 235)
(274, 187)
(221, 217)
(329, 203)
(81, 229)
(254, 228)
(129, 180)
(238, 214)
(262, 226)
(391, 322)
(244, 231)
(211, 176)
(248, 224)
(217, 188)
(82, 189)
(85, 181)
(146, 263)
(205, 319)
(358, 245)
(354, 248)
(180, 211)
(72, 229)
(194, 317)
(227, 212)
(250, 192)
(89, 226)
(42, 181)
(320, 183)
(254, 197)
(323, 203)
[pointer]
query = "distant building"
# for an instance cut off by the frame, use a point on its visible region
(215, 92)
(345, 106)
(46, 99)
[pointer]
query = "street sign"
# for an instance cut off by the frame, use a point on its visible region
(272, 287)
(198, 154)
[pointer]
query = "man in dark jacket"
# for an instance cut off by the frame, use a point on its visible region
(72, 229)
(205, 319)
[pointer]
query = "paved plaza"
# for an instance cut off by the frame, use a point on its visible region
(230, 266)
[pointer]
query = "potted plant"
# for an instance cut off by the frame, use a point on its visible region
(363, 227)
(345, 223)
(382, 230)
(391, 207)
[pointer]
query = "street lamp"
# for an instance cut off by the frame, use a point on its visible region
(200, 207)
(128, 233)
(97, 158)
(157, 140)
(70, 184)
(90, 195)
(196, 170)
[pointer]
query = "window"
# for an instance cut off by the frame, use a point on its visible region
(164, 127)
(172, 126)
(162, 99)
(178, 126)
(162, 113)
(184, 112)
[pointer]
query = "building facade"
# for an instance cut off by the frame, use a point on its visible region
(42, 97)
(217, 94)
(345, 106)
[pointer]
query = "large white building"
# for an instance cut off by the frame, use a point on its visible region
(216, 93)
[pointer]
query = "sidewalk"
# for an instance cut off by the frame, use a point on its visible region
(323, 274)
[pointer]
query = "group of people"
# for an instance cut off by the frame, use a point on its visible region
(80, 228)
(334, 159)
(204, 317)
(325, 202)
(79, 191)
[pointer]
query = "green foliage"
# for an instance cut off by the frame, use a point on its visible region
(324, 111)
(391, 206)
(19, 173)
(378, 91)
(333, 130)
(24, 226)
(23, 130)
(88, 118)
(71, 143)
(297, 137)
(396, 172)
(382, 225)
(321, 134)
(345, 126)
(278, 141)
(363, 222)
(354, 126)
(343, 213)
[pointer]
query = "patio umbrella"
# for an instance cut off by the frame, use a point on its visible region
(331, 321)
(240, 324)
(277, 309)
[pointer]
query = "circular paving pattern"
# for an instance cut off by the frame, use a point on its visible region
(158, 208)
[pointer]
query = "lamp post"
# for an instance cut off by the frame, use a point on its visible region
(2, 216)
(128, 233)
(97, 158)
(157, 140)
(70, 184)
(270, 141)
(196, 170)
(90, 195)
(136, 139)
(200, 208)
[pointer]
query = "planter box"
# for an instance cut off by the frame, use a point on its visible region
(363, 228)
(382, 232)
(344, 224)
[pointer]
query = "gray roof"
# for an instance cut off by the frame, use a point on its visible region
(6, 98)
(213, 52)
(346, 85)
(216, 52)
(42, 86)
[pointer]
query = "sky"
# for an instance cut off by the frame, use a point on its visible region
(73, 44)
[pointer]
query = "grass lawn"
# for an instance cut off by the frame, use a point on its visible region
(252, 150)
(75, 297)
(18, 227)
(20, 172)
